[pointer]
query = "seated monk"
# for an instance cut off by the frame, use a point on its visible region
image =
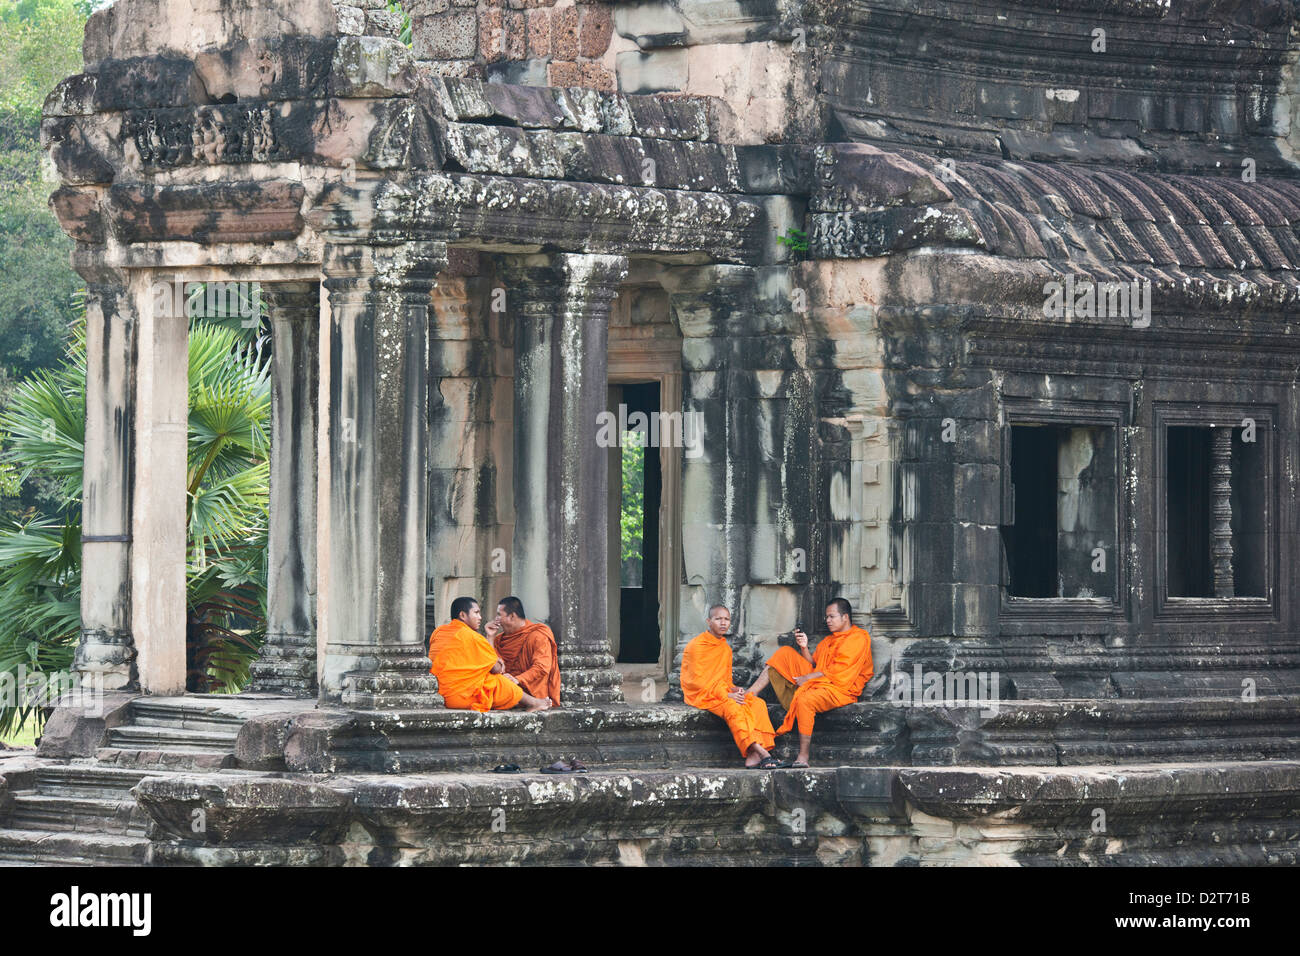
(527, 648)
(470, 675)
(706, 684)
(808, 684)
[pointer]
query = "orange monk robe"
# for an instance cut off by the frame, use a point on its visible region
(706, 681)
(462, 660)
(844, 659)
(532, 658)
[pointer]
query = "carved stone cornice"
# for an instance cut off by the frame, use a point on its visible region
(527, 214)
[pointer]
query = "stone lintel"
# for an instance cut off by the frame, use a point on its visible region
(208, 213)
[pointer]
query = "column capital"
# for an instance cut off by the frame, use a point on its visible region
(580, 280)
(401, 264)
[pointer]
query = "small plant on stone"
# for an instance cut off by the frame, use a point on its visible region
(796, 240)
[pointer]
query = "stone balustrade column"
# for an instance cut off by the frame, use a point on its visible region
(373, 491)
(1221, 511)
(559, 569)
(287, 662)
(106, 650)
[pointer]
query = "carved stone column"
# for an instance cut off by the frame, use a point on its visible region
(287, 663)
(559, 569)
(106, 647)
(1221, 511)
(373, 481)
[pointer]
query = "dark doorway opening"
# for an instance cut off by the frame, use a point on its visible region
(639, 531)
(1187, 516)
(1031, 552)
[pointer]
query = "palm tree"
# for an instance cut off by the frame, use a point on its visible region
(228, 489)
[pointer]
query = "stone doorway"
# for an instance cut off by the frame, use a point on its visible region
(643, 596)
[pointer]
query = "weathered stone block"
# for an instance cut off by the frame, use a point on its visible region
(79, 213)
(596, 77)
(539, 33)
(372, 66)
(446, 36)
(351, 20)
(383, 23)
(596, 26)
(564, 74)
(516, 35)
(491, 34)
(215, 212)
(660, 71)
(78, 730)
(564, 33)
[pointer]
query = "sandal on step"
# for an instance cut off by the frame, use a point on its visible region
(560, 766)
(507, 768)
(770, 763)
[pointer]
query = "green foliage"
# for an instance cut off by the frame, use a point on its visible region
(632, 511)
(394, 6)
(40, 44)
(796, 240)
(228, 471)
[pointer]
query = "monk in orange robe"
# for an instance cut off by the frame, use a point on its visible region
(706, 684)
(528, 649)
(470, 675)
(808, 684)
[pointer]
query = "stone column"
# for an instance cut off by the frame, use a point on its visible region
(1221, 511)
(559, 569)
(287, 663)
(106, 647)
(160, 462)
(373, 500)
(706, 303)
(470, 409)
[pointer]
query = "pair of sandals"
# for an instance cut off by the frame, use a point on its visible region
(566, 766)
(775, 763)
(560, 766)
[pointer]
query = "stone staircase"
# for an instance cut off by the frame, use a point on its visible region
(77, 813)
(82, 812)
(173, 734)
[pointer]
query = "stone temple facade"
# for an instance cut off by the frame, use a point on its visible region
(984, 312)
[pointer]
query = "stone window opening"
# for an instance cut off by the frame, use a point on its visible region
(1059, 527)
(1215, 498)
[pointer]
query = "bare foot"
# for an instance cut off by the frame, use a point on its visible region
(532, 703)
(753, 759)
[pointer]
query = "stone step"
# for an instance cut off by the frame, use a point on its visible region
(164, 759)
(171, 738)
(198, 717)
(34, 811)
(71, 849)
(87, 781)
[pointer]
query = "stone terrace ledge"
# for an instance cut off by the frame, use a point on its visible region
(887, 816)
(262, 732)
